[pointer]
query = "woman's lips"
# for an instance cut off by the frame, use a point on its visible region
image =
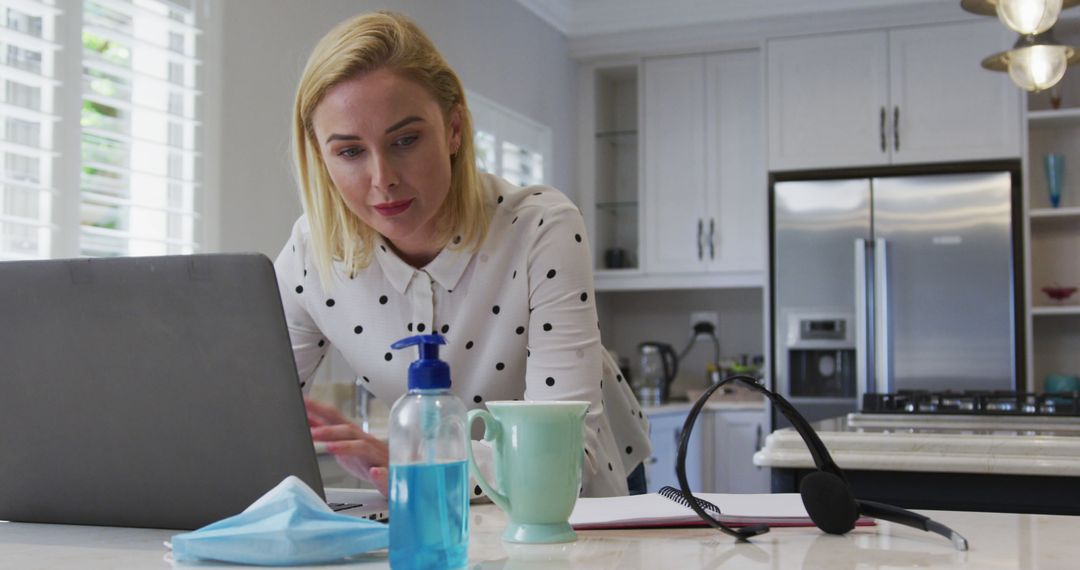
(393, 208)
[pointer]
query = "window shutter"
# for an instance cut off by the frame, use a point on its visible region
(138, 187)
(28, 50)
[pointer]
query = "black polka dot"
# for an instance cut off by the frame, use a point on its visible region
(584, 297)
(640, 415)
(388, 357)
(609, 467)
(322, 343)
(547, 326)
(601, 382)
(541, 222)
(477, 399)
(457, 240)
(468, 345)
(577, 238)
(514, 276)
(358, 329)
(383, 300)
(536, 193)
(618, 377)
(514, 221)
(420, 327)
(495, 309)
(519, 330)
(499, 201)
(550, 273)
(299, 288)
(528, 352)
(445, 329)
(305, 273)
(409, 326)
(382, 247)
(550, 381)
(629, 450)
(366, 379)
(294, 248)
(329, 302)
(499, 366)
(476, 490)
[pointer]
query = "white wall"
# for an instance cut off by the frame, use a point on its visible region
(628, 318)
(501, 51)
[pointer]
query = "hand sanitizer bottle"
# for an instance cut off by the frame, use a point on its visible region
(429, 477)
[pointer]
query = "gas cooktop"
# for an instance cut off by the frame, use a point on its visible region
(973, 403)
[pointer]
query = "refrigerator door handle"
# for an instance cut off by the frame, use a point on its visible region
(883, 381)
(861, 333)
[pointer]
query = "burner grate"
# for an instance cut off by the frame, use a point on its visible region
(974, 403)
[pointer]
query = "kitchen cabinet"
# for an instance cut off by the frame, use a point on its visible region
(665, 429)
(691, 130)
(704, 185)
(900, 96)
(737, 435)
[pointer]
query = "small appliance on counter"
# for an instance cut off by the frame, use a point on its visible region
(659, 365)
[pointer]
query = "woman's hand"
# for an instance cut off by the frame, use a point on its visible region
(357, 452)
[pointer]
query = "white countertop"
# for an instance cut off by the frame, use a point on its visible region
(999, 541)
(1014, 445)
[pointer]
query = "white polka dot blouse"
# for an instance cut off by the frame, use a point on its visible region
(518, 315)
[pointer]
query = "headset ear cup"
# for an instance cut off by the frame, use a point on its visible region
(829, 502)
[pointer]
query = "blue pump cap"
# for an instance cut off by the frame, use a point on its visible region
(426, 372)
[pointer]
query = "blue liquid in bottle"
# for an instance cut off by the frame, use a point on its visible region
(429, 516)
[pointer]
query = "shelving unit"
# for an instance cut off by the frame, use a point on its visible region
(615, 202)
(1052, 234)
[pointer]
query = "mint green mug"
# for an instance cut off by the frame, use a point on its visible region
(537, 452)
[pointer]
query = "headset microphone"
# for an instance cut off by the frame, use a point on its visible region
(825, 492)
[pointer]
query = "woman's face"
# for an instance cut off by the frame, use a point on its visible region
(387, 147)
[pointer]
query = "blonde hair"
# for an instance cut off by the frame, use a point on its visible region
(379, 40)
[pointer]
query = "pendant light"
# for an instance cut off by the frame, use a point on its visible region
(1022, 16)
(1036, 62)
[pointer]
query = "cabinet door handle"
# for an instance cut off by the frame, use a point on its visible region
(881, 129)
(896, 127)
(712, 243)
(700, 235)
(652, 461)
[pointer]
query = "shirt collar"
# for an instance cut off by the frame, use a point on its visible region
(446, 269)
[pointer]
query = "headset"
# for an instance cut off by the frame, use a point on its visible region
(825, 492)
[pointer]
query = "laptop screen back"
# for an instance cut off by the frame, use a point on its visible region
(148, 392)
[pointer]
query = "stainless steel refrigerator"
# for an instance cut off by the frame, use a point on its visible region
(891, 282)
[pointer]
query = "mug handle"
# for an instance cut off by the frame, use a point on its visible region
(492, 431)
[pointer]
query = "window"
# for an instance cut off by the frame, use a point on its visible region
(126, 105)
(510, 145)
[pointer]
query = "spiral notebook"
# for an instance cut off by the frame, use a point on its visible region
(670, 508)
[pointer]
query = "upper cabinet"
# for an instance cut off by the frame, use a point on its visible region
(903, 96)
(704, 185)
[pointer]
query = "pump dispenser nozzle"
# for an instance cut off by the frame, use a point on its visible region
(426, 372)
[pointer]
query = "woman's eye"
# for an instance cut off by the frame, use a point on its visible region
(350, 152)
(407, 140)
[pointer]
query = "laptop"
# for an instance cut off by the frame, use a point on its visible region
(148, 392)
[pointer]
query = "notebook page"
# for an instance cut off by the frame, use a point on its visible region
(652, 508)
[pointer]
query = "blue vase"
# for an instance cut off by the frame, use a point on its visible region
(1055, 177)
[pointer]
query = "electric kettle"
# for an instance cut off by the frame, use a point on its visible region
(659, 365)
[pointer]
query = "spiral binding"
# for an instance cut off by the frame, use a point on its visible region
(677, 496)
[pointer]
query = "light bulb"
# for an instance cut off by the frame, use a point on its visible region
(1028, 16)
(1038, 67)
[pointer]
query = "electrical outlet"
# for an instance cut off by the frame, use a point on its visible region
(711, 317)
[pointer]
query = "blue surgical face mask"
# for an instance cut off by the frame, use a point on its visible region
(289, 525)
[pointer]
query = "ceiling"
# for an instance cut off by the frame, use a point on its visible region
(582, 18)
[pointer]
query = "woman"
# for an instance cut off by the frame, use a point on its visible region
(401, 235)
